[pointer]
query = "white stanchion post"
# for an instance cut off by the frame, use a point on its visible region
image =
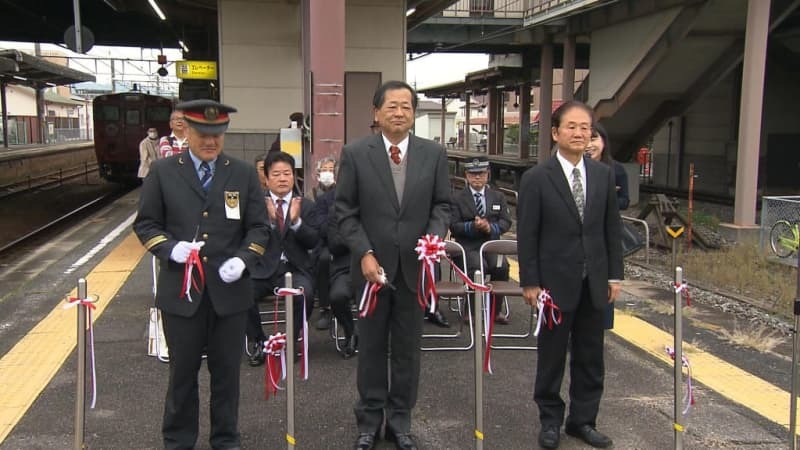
(477, 312)
(80, 394)
(290, 342)
(678, 425)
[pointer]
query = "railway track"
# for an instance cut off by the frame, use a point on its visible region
(28, 229)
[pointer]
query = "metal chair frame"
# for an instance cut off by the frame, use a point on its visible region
(454, 289)
(506, 247)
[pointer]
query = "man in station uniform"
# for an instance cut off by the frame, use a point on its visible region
(206, 201)
(176, 142)
(393, 188)
(478, 214)
(568, 235)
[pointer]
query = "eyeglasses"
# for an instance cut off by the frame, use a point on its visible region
(177, 119)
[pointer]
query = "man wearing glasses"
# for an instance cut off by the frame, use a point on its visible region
(176, 142)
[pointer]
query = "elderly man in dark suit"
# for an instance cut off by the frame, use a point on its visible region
(205, 202)
(293, 233)
(569, 243)
(393, 188)
(479, 213)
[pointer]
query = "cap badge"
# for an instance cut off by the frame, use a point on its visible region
(211, 113)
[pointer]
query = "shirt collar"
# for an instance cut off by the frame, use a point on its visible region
(196, 161)
(402, 145)
(482, 191)
(286, 198)
(567, 167)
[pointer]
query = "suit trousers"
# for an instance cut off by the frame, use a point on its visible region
(323, 277)
(341, 300)
(265, 287)
(222, 337)
(582, 332)
(394, 332)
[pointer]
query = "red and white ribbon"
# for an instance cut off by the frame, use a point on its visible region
(489, 311)
(549, 313)
(369, 299)
(89, 305)
(430, 248)
(275, 370)
(189, 280)
(284, 292)
(683, 289)
(688, 398)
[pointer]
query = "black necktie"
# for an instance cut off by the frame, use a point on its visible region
(479, 204)
(205, 179)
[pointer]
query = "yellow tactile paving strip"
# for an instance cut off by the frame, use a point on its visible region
(726, 379)
(30, 365)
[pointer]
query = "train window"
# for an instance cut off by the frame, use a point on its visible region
(132, 117)
(157, 114)
(107, 112)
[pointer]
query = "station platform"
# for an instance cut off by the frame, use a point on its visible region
(739, 392)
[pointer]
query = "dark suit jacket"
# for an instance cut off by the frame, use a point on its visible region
(621, 181)
(463, 212)
(369, 215)
(295, 245)
(340, 253)
(173, 207)
(553, 243)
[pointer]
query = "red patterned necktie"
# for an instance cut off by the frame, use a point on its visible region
(279, 214)
(394, 151)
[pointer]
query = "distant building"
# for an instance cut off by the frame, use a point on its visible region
(428, 122)
(67, 117)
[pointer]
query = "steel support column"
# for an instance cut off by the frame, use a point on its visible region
(524, 120)
(755, 56)
(324, 42)
(442, 139)
(546, 100)
(568, 72)
(467, 115)
(4, 112)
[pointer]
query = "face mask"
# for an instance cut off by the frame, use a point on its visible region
(152, 135)
(326, 178)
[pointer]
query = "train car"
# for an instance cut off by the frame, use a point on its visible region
(120, 123)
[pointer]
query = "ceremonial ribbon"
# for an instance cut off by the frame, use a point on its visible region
(549, 313)
(429, 249)
(284, 292)
(89, 305)
(688, 398)
(683, 289)
(489, 310)
(189, 280)
(275, 349)
(369, 299)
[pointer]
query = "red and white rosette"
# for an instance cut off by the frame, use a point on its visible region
(284, 292)
(430, 248)
(189, 281)
(275, 369)
(548, 312)
(688, 398)
(683, 290)
(87, 303)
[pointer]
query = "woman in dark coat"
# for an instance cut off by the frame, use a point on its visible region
(599, 149)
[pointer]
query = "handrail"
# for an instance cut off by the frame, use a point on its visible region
(646, 236)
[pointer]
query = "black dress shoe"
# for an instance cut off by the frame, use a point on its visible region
(438, 319)
(365, 441)
(588, 434)
(258, 356)
(549, 437)
(402, 441)
(349, 346)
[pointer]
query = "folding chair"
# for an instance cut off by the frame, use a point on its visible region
(492, 252)
(454, 289)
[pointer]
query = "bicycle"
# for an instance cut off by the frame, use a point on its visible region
(784, 238)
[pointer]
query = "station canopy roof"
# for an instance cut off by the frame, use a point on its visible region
(133, 23)
(21, 68)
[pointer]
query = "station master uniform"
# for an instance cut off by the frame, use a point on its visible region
(205, 200)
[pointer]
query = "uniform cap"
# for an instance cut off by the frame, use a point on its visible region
(479, 164)
(206, 116)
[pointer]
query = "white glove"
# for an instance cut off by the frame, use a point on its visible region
(180, 253)
(231, 270)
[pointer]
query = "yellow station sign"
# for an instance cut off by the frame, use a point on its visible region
(196, 70)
